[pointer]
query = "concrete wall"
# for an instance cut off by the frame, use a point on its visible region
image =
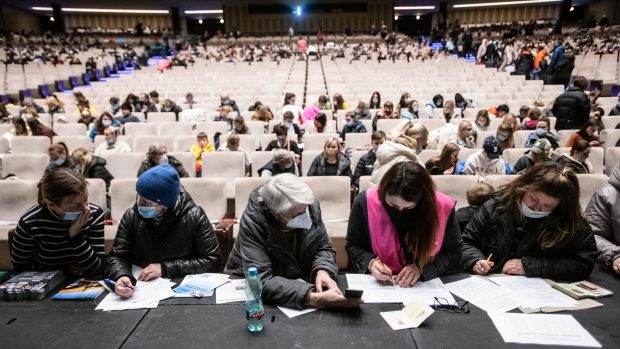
(15, 19)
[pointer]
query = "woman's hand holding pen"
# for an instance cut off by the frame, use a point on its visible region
(380, 271)
(483, 266)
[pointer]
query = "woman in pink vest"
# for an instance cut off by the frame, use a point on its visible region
(404, 230)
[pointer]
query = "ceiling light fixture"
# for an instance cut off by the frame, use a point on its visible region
(203, 12)
(504, 3)
(407, 8)
(101, 10)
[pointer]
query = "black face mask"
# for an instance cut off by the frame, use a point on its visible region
(399, 216)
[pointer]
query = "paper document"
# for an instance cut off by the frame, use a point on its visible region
(290, 312)
(485, 294)
(147, 294)
(378, 292)
(411, 316)
(233, 291)
(542, 329)
(200, 285)
(535, 292)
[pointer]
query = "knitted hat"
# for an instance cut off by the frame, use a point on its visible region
(160, 184)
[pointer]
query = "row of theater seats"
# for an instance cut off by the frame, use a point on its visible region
(210, 193)
(231, 165)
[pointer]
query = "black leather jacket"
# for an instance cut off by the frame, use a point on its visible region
(183, 242)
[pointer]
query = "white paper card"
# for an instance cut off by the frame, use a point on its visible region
(542, 329)
(290, 312)
(199, 285)
(485, 294)
(233, 291)
(377, 292)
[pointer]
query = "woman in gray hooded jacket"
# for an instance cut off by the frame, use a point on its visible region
(603, 214)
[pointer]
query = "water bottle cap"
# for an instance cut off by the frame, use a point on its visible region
(252, 271)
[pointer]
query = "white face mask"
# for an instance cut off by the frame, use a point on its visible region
(302, 221)
(106, 123)
(163, 159)
(529, 213)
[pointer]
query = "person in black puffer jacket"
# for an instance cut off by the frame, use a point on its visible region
(165, 233)
(572, 108)
(524, 64)
(564, 69)
(92, 166)
(533, 227)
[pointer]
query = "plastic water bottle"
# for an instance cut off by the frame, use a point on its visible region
(254, 310)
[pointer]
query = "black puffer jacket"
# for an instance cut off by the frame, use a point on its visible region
(97, 169)
(263, 244)
(494, 229)
(317, 168)
(172, 161)
(571, 108)
(183, 242)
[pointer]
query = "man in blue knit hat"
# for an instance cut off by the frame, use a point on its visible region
(165, 233)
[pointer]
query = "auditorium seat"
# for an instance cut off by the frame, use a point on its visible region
(481, 136)
(521, 138)
(161, 117)
(512, 155)
(306, 162)
(610, 137)
(243, 187)
(70, 129)
(597, 156)
(17, 197)
(610, 122)
(4, 145)
(174, 128)
(612, 158)
(74, 142)
(71, 119)
(133, 129)
(335, 201)
(124, 165)
(184, 143)
(358, 141)
(564, 135)
(355, 158)
(97, 192)
(464, 154)
(256, 127)
(431, 124)
(25, 166)
(496, 181)
(455, 187)
(123, 195)
(427, 154)
(227, 165)
(188, 160)
(208, 193)
(386, 125)
(211, 128)
(260, 159)
(588, 185)
(268, 137)
(365, 183)
(316, 141)
(30, 144)
(141, 144)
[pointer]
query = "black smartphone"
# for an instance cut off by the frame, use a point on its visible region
(349, 293)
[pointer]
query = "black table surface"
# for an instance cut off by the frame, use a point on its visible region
(191, 322)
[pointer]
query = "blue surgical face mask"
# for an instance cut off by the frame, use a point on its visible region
(302, 221)
(502, 138)
(541, 131)
(71, 216)
(147, 212)
(58, 162)
(529, 213)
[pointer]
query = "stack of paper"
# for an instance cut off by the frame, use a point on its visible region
(485, 295)
(200, 285)
(147, 294)
(534, 292)
(378, 292)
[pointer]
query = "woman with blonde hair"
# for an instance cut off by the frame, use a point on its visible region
(533, 226)
(331, 162)
(91, 166)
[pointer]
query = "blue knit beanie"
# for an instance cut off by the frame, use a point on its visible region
(160, 184)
